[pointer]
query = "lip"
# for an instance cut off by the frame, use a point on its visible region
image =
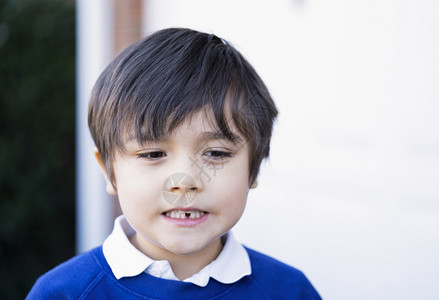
(183, 208)
(186, 222)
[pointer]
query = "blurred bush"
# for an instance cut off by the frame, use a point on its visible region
(37, 140)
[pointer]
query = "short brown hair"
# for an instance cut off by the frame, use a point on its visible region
(159, 81)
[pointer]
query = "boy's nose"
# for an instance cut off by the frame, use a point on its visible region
(185, 177)
(182, 183)
(180, 189)
(185, 174)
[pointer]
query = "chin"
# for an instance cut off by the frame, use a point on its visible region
(184, 250)
(185, 247)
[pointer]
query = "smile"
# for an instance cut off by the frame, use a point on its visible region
(186, 217)
(184, 214)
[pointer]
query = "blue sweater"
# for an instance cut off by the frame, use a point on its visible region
(88, 276)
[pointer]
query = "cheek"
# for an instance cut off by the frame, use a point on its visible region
(234, 197)
(233, 211)
(135, 191)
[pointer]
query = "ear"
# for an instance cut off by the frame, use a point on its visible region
(110, 188)
(254, 184)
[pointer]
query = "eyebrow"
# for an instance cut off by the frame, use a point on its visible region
(204, 136)
(218, 135)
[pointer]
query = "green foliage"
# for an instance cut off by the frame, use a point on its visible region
(37, 140)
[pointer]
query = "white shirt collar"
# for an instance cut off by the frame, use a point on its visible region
(125, 260)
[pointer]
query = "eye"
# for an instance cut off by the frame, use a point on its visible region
(217, 155)
(153, 155)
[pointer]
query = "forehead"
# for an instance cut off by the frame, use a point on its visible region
(202, 123)
(205, 127)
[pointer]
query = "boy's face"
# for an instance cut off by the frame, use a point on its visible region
(182, 193)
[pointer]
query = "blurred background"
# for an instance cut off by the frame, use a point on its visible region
(350, 193)
(37, 140)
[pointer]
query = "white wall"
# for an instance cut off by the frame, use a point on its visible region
(350, 194)
(94, 42)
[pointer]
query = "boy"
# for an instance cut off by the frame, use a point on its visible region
(181, 122)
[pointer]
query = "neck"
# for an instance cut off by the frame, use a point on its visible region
(183, 266)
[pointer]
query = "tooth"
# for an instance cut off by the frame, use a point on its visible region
(182, 214)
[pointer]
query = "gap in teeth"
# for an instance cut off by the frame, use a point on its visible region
(185, 214)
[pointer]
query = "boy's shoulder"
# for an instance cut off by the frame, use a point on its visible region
(70, 279)
(279, 280)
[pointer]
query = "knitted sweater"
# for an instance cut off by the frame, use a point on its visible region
(88, 276)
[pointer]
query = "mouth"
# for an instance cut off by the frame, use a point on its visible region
(185, 217)
(184, 214)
